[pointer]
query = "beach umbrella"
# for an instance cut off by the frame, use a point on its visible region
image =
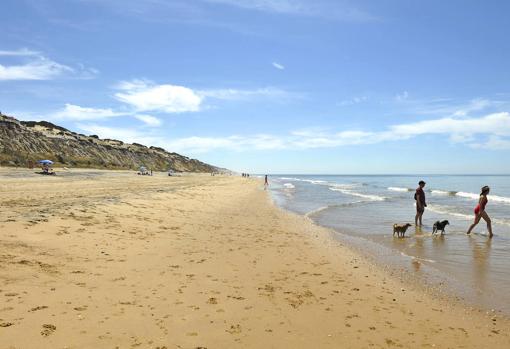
(45, 162)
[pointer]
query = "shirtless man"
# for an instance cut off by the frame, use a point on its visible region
(419, 196)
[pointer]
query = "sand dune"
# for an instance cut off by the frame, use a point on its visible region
(99, 259)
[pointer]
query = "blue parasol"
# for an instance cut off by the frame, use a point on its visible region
(45, 162)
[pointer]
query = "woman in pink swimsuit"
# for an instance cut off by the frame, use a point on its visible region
(480, 211)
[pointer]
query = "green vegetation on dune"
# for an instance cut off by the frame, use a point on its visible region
(25, 142)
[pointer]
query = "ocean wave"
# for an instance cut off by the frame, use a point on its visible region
(320, 209)
(452, 212)
(289, 186)
(443, 192)
(463, 194)
(448, 211)
(474, 196)
(290, 179)
(346, 185)
(324, 183)
(315, 181)
(312, 181)
(499, 199)
(399, 189)
(353, 193)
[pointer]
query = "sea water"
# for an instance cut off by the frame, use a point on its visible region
(363, 209)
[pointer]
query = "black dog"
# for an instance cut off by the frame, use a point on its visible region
(440, 226)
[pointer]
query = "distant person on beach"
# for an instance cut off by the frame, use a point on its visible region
(480, 211)
(266, 183)
(419, 196)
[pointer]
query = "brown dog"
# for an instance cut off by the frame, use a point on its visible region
(400, 229)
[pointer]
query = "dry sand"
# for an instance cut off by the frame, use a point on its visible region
(114, 260)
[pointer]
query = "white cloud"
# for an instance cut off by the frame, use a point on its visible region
(148, 120)
(235, 143)
(37, 67)
(450, 107)
(331, 10)
(352, 101)
(236, 94)
(145, 96)
(278, 66)
(75, 112)
(21, 52)
(123, 134)
(494, 135)
(493, 143)
(495, 126)
(497, 123)
(78, 113)
(402, 96)
(279, 6)
(474, 105)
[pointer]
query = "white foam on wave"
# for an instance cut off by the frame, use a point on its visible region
(346, 185)
(443, 192)
(474, 196)
(463, 194)
(499, 199)
(312, 181)
(353, 193)
(320, 209)
(315, 181)
(448, 211)
(289, 185)
(291, 179)
(445, 210)
(398, 189)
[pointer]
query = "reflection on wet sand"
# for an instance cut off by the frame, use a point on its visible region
(480, 267)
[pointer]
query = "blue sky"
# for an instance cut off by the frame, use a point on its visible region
(271, 86)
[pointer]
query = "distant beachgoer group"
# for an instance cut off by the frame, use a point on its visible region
(246, 175)
(479, 210)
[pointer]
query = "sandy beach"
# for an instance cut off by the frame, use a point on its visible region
(108, 259)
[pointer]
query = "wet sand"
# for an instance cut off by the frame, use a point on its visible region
(104, 259)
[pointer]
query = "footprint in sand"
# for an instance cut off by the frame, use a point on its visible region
(40, 307)
(48, 329)
(234, 329)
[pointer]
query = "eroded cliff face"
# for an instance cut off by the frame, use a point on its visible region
(22, 142)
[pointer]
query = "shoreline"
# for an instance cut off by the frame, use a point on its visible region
(466, 268)
(199, 261)
(441, 287)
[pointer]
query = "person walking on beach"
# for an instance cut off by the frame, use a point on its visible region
(480, 211)
(419, 196)
(266, 183)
